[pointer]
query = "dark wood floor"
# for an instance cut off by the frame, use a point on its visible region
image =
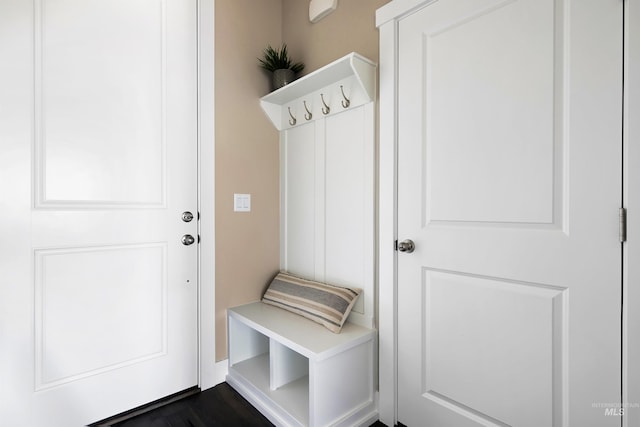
(218, 406)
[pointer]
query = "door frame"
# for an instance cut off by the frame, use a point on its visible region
(631, 200)
(207, 375)
(387, 21)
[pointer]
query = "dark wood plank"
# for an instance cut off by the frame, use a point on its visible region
(219, 406)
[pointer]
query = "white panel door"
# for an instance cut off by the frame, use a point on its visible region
(509, 183)
(98, 155)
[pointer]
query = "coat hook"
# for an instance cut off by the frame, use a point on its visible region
(292, 120)
(345, 102)
(325, 109)
(308, 115)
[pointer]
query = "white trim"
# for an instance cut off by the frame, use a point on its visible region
(387, 18)
(207, 367)
(631, 249)
(222, 370)
(396, 9)
(387, 313)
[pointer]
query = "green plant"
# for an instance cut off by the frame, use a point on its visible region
(274, 59)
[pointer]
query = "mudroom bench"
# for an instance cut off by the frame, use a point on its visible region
(298, 373)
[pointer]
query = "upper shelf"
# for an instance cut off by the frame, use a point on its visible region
(353, 75)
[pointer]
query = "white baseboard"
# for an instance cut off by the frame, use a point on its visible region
(221, 371)
(218, 376)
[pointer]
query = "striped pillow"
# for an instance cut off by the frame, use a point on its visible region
(326, 304)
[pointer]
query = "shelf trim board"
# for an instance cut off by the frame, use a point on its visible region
(366, 75)
(355, 72)
(339, 69)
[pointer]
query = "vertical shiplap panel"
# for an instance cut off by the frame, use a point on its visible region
(328, 203)
(319, 166)
(344, 184)
(298, 200)
(344, 201)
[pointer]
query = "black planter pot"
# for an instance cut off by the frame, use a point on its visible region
(281, 78)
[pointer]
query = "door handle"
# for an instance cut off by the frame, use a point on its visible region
(406, 246)
(187, 216)
(188, 239)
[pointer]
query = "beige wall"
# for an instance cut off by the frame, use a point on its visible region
(247, 157)
(247, 244)
(350, 28)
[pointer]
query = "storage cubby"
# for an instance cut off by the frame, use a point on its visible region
(248, 344)
(298, 373)
(286, 365)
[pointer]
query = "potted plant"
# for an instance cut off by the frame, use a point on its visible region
(280, 65)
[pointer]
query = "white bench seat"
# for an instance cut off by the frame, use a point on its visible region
(298, 373)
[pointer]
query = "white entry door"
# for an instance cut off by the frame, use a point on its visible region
(509, 184)
(98, 155)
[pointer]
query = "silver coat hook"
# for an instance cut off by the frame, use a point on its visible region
(292, 120)
(345, 102)
(325, 109)
(308, 115)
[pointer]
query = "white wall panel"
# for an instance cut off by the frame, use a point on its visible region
(327, 174)
(298, 200)
(345, 208)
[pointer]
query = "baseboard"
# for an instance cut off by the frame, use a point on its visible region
(261, 402)
(363, 416)
(221, 371)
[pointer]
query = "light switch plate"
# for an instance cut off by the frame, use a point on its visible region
(242, 202)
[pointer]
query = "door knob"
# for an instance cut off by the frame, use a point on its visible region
(187, 216)
(188, 239)
(406, 246)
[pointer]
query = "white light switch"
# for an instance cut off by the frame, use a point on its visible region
(242, 202)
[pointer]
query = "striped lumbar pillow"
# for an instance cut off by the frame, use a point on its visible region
(326, 304)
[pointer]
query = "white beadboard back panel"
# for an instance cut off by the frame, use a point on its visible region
(298, 200)
(327, 174)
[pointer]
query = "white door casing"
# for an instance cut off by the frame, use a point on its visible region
(631, 320)
(512, 296)
(99, 159)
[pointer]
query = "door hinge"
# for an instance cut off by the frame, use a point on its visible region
(395, 246)
(623, 224)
